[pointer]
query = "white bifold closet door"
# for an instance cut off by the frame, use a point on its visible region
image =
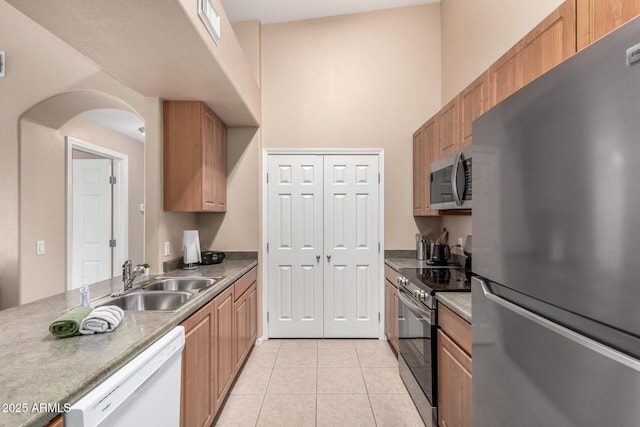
(323, 246)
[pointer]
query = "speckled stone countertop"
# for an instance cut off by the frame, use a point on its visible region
(459, 302)
(40, 369)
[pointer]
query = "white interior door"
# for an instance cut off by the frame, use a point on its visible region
(295, 236)
(323, 246)
(92, 216)
(351, 283)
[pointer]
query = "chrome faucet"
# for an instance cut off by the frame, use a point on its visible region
(128, 276)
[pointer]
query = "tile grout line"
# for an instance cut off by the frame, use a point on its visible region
(364, 380)
(264, 396)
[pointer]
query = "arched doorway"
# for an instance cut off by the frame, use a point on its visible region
(46, 188)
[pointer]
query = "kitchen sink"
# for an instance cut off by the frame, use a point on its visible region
(180, 284)
(150, 301)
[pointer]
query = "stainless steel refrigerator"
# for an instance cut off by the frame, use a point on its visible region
(556, 243)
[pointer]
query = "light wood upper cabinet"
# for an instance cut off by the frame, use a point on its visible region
(195, 158)
(473, 103)
(449, 138)
(595, 18)
(425, 141)
(548, 44)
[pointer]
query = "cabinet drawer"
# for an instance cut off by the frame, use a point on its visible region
(243, 283)
(391, 275)
(458, 329)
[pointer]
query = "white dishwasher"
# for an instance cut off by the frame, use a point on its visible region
(144, 392)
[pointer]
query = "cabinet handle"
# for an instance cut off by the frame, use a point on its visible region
(328, 258)
(317, 258)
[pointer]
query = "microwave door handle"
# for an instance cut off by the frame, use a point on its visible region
(454, 178)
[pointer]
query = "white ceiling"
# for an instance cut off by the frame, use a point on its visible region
(272, 11)
(120, 121)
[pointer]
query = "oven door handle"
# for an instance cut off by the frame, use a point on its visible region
(425, 314)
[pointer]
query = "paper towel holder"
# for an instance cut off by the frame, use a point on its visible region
(191, 250)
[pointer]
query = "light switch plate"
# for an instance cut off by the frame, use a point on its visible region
(167, 249)
(3, 64)
(40, 249)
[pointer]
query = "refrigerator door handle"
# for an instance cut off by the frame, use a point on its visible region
(454, 178)
(561, 330)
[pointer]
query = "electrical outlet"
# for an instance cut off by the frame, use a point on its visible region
(3, 63)
(167, 249)
(461, 242)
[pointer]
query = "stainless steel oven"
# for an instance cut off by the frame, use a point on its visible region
(417, 331)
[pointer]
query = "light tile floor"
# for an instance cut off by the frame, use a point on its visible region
(320, 383)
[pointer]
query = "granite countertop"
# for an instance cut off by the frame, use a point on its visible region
(40, 369)
(458, 302)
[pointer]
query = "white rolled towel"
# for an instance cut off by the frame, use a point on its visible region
(102, 319)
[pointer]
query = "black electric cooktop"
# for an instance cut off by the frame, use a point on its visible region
(433, 280)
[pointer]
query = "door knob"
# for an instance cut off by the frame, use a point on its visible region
(328, 258)
(317, 258)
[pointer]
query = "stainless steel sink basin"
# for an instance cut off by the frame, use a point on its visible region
(179, 284)
(150, 301)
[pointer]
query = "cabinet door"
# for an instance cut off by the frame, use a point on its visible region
(449, 129)
(214, 165)
(454, 384)
(198, 393)
(253, 314)
(473, 103)
(224, 335)
(548, 44)
(395, 336)
(241, 339)
(388, 315)
(595, 18)
(425, 142)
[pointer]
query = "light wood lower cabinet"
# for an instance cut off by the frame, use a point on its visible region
(198, 362)
(56, 422)
(218, 339)
(391, 306)
(223, 310)
(454, 369)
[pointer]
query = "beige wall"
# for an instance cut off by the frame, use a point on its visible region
(43, 201)
(356, 81)
(39, 66)
(238, 228)
(248, 34)
(476, 33)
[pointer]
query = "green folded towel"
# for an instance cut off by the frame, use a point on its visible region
(68, 324)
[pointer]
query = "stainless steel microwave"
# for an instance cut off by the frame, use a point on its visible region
(450, 182)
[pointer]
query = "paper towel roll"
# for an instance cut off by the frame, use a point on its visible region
(191, 247)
